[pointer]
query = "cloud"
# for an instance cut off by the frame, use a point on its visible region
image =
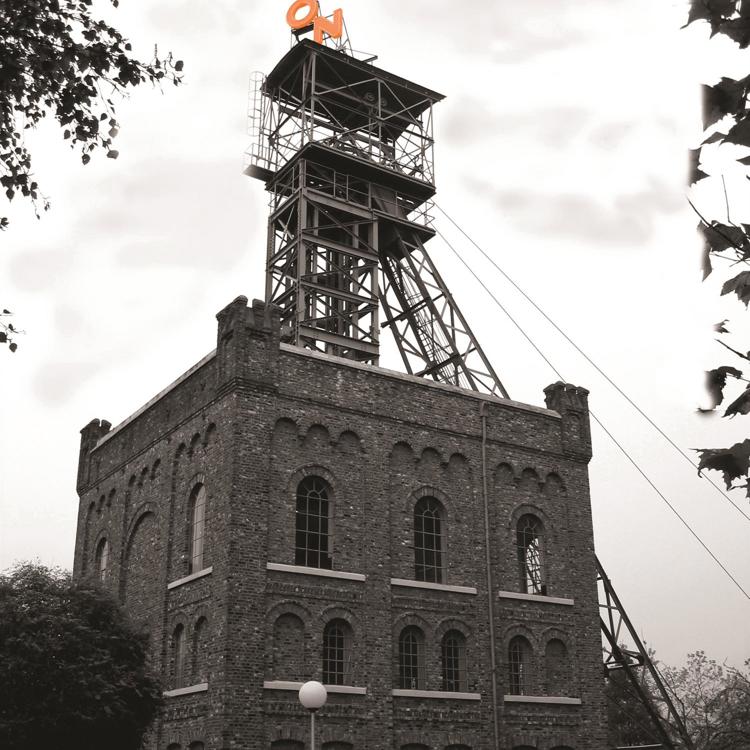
(159, 213)
(36, 270)
(57, 382)
(627, 219)
(510, 32)
(469, 119)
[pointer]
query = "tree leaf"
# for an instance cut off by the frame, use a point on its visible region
(727, 97)
(720, 327)
(13, 346)
(723, 236)
(3, 337)
(179, 65)
(739, 133)
(737, 29)
(695, 173)
(716, 381)
(113, 154)
(732, 462)
(740, 405)
(699, 11)
(85, 158)
(740, 285)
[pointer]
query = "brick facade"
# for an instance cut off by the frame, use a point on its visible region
(231, 639)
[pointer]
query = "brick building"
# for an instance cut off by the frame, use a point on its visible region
(280, 514)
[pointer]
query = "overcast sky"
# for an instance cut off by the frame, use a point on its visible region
(561, 148)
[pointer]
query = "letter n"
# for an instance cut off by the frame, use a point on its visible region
(334, 28)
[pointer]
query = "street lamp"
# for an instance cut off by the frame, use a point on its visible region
(312, 695)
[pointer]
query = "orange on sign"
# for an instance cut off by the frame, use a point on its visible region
(321, 25)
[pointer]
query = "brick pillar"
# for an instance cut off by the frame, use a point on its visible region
(90, 436)
(571, 403)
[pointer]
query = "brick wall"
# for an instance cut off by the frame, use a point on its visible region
(249, 423)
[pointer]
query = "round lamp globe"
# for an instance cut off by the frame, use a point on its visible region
(312, 695)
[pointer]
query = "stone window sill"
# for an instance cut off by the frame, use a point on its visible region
(535, 598)
(436, 694)
(284, 685)
(192, 577)
(200, 688)
(315, 572)
(549, 699)
(433, 586)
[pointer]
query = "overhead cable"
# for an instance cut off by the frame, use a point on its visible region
(598, 421)
(595, 366)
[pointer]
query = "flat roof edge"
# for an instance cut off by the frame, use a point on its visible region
(418, 380)
(151, 402)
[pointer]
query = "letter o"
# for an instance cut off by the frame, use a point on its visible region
(300, 23)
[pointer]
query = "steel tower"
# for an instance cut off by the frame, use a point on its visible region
(346, 152)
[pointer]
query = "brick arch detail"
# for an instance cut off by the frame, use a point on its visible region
(515, 629)
(452, 623)
(426, 490)
(337, 612)
(407, 619)
(555, 632)
(288, 607)
(289, 731)
(337, 734)
(312, 470)
(351, 438)
(504, 474)
(315, 429)
(553, 482)
(526, 508)
(194, 443)
(530, 476)
(142, 510)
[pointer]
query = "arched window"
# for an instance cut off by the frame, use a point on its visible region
(557, 668)
(337, 648)
(312, 538)
(411, 659)
(102, 560)
(288, 648)
(174, 746)
(529, 537)
(196, 746)
(287, 745)
(428, 540)
(178, 657)
(197, 530)
(200, 660)
(519, 666)
(454, 662)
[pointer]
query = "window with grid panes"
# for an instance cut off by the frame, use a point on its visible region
(336, 653)
(411, 659)
(102, 560)
(454, 662)
(428, 541)
(529, 535)
(178, 657)
(312, 524)
(197, 530)
(519, 663)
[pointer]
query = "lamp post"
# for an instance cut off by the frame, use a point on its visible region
(312, 695)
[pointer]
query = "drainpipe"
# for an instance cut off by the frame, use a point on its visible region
(490, 588)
